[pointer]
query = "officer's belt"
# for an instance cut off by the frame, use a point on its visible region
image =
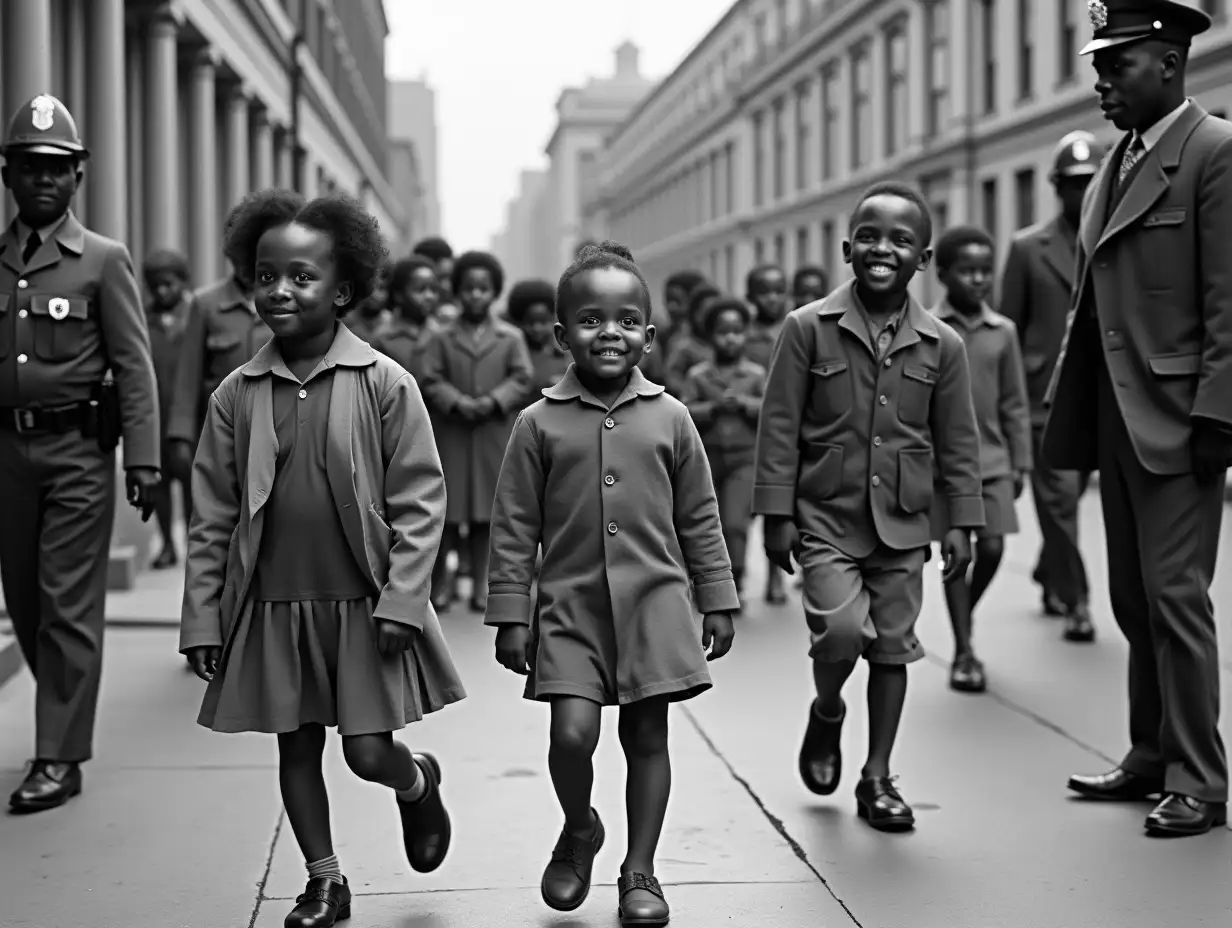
(55, 419)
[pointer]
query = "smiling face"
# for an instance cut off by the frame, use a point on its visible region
(476, 293)
(297, 292)
(1134, 83)
(968, 281)
(768, 294)
(887, 244)
(605, 324)
(728, 330)
(43, 185)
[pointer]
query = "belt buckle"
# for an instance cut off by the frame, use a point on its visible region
(23, 420)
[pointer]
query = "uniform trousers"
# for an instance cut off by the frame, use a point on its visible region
(1162, 537)
(57, 495)
(1056, 494)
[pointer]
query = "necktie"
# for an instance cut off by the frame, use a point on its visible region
(1133, 155)
(32, 245)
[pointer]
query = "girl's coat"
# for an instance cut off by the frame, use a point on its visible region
(386, 481)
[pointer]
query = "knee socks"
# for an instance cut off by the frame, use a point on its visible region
(326, 867)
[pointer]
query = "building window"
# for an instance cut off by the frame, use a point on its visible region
(829, 120)
(760, 35)
(1026, 49)
(937, 28)
(780, 149)
(1067, 39)
(712, 184)
(988, 51)
(780, 250)
(802, 136)
(729, 178)
(1024, 196)
(896, 83)
(759, 158)
(759, 252)
(828, 251)
(988, 196)
(784, 20)
(861, 107)
(802, 245)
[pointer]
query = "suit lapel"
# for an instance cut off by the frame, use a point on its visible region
(1095, 204)
(1059, 253)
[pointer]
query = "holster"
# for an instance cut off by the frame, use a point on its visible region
(105, 422)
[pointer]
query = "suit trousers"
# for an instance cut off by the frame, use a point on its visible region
(1163, 537)
(732, 472)
(1056, 494)
(57, 493)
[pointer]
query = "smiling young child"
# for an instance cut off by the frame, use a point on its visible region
(865, 391)
(608, 473)
(319, 503)
(1003, 414)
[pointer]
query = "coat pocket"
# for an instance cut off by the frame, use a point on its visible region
(915, 394)
(59, 325)
(821, 471)
(1176, 365)
(915, 479)
(830, 383)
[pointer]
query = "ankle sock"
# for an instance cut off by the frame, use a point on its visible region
(326, 867)
(418, 790)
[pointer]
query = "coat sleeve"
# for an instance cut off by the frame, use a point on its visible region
(694, 398)
(956, 438)
(517, 526)
(440, 393)
(126, 333)
(414, 503)
(215, 516)
(512, 392)
(1214, 397)
(750, 402)
(778, 429)
(695, 513)
(1016, 287)
(182, 423)
(1013, 406)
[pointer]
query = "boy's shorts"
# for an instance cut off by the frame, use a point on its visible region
(1000, 511)
(862, 606)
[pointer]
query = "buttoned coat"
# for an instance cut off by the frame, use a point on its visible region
(704, 389)
(1036, 292)
(846, 443)
(387, 486)
(455, 365)
(1159, 273)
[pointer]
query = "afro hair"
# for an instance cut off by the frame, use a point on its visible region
(475, 260)
(955, 239)
(606, 254)
(527, 293)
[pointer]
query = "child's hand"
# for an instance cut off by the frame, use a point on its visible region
(782, 542)
(465, 408)
(955, 554)
(1020, 482)
(718, 632)
(512, 644)
(730, 402)
(485, 407)
(393, 637)
(204, 660)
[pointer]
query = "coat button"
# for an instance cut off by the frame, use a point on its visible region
(610, 422)
(303, 394)
(609, 480)
(22, 359)
(23, 284)
(882, 400)
(611, 528)
(889, 363)
(876, 441)
(21, 314)
(876, 481)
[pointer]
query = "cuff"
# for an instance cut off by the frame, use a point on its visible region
(966, 512)
(199, 636)
(774, 500)
(140, 451)
(717, 595)
(401, 610)
(507, 607)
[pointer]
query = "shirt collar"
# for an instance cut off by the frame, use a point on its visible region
(1150, 138)
(845, 300)
(570, 388)
(347, 350)
(946, 312)
(46, 232)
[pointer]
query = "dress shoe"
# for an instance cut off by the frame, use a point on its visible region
(878, 802)
(566, 879)
(166, 559)
(821, 754)
(426, 829)
(641, 900)
(322, 903)
(48, 784)
(967, 674)
(1078, 625)
(1179, 816)
(1116, 786)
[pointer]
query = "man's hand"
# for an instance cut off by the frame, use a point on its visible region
(485, 407)
(1211, 449)
(512, 647)
(393, 637)
(955, 554)
(204, 661)
(782, 542)
(181, 454)
(718, 632)
(143, 484)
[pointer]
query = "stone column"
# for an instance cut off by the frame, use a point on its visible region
(27, 52)
(162, 180)
(108, 194)
(284, 161)
(136, 150)
(72, 20)
(262, 152)
(238, 177)
(203, 168)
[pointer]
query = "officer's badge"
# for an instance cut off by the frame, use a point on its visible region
(57, 308)
(1098, 14)
(43, 113)
(1082, 151)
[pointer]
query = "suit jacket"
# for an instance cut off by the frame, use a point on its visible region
(1036, 290)
(1159, 276)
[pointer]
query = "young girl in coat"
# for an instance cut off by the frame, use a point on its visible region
(608, 473)
(319, 502)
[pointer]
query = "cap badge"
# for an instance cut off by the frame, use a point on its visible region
(1082, 151)
(1098, 14)
(43, 112)
(57, 308)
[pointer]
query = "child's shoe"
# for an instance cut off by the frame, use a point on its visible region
(967, 674)
(878, 802)
(641, 900)
(566, 879)
(821, 754)
(322, 903)
(426, 829)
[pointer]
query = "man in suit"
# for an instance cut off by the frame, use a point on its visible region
(1036, 287)
(1143, 391)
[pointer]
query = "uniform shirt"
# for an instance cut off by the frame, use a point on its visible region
(847, 442)
(704, 389)
(998, 389)
(759, 345)
(404, 342)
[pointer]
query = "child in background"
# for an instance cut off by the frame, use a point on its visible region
(167, 279)
(532, 308)
(676, 292)
(809, 284)
(690, 348)
(305, 598)
(866, 390)
(372, 317)
(965, 269)
(476, 376)
(724, 397)
(413, 296)
(609, 474)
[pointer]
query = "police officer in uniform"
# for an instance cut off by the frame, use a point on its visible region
(70, 312)
(1036, 289)
(1143, 391)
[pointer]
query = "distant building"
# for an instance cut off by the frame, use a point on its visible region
(414, 153)
(519, 250)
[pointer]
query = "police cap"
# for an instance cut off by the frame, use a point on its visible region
(1119, 22)
(1077, 155)
(43, 126)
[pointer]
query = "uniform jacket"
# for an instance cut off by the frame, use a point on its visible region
(166, 334)
(1036, 291)
(51, 362)
(456, 365)
(628, 487)
(998, 390)
(705, 386)
(384, 474)
(223, 331)
(846, 444)
(1159, 274)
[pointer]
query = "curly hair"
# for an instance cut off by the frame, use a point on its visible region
(476, 260)
(893, 188)
(956, 238)
(761, 269)
(359, 251)
(527, 293)
(697, 299)
(594, 257)
(722, 305)
(434, 248)
(404, 270)
(165, 261)
(688, 281)
(804, 271)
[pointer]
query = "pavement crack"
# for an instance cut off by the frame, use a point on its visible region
(269, 865)
(775, 822)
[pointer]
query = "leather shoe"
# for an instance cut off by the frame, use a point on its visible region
(1116, 785)
(878, 802)
(426, 829)
(322, 903)
(967, 674)
(821, 754)
(641, 900)
(566, 878)
(48, 784)
(1180, 816)
(1078, 625)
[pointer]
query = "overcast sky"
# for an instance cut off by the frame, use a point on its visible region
(498, 67)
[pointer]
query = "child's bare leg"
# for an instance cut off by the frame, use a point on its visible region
(958, 602)
(887, 692)
(643, 735)
(303, 790)
(574, 737)
(988, 553)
